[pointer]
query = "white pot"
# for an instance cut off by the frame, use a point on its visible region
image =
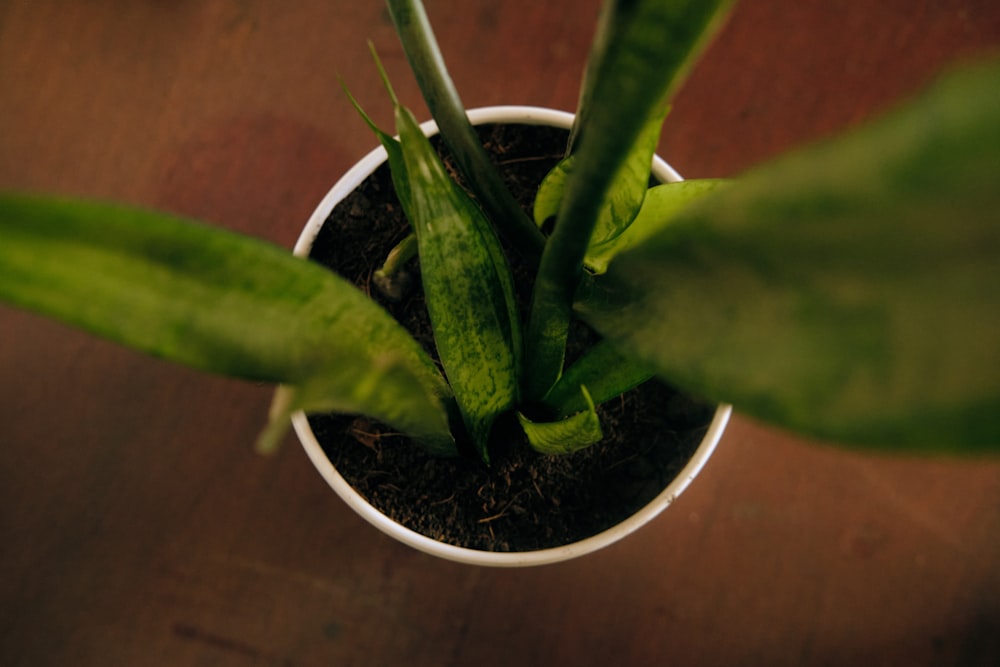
(351, 180)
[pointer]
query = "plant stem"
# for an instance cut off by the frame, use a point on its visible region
(558, 274)
(644, 50)
(446, 107)
(404, 251)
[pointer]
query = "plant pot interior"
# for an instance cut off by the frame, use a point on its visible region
(522, 501)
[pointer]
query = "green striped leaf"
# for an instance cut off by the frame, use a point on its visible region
(466, 282)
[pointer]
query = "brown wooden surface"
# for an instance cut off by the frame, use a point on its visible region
(137, 526)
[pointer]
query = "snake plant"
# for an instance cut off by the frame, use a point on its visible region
(847, 290)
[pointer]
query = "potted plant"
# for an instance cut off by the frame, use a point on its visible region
(570, 497)
(845, 290)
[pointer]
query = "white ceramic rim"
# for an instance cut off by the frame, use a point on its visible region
(358, 173)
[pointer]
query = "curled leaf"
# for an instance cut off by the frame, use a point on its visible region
(624, 198)
(567, 435)
(661, 205)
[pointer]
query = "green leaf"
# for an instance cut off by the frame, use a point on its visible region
(848, 290)
(394, 153)
(402, 253)
(387, 279)
(467, 284)
(645, 48)
(446, 107)
(566, 435)
(220, 302)
(622, 201)
(661, 205)
(606, 373)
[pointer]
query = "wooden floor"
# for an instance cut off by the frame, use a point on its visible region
(137, 527)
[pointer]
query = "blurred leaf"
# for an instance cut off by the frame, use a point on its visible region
(219, 302)
(848, 290)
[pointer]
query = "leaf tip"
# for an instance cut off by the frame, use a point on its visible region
(279, 414)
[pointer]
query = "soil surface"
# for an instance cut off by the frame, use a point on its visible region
(522, 500)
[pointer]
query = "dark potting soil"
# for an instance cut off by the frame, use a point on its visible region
(522, 500)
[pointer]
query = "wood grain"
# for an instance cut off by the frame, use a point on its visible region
(138, 527)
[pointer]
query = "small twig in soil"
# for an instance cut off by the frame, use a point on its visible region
(499, 515)
(621, 462)
(535, 158)
(443, 501)
(372, 474)
(370, 440)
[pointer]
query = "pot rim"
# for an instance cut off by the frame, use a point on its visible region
(348, 182)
